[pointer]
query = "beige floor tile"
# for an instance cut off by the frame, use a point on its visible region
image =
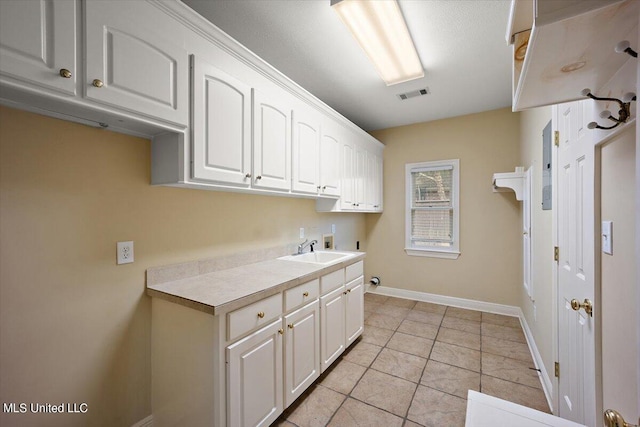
(510, 369)
(408, 423)
(503, 332)
(463, 313)
(450, 379)
(362, 353)
(410, 344)
(385, 392)
(425, 317)
(399, 364)
(517, 393)
(377, 336)
(419, 329)
(428, 306)
(343, 376)
(461, 357)
(401, 302)
(383, 321)
(375, 298)
(461, 338)
(370, 306)
(392, 310)
(317, 408)
(499, 319)
(282, 423)
(433, 408)
(354, 413)
(505, 348)
(367, 314)
(465, 325)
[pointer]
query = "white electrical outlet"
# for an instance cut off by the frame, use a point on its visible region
(124, 252)
(333, 228)
(302, 232)
(607, 237)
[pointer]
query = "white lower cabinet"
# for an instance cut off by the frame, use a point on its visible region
(254, 378)
(354, 310)
(332, 326)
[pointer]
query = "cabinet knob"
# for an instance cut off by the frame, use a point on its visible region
(65, 73)
(318, 187)
(344, 293)
(281, 331)
(348, 290)
(324, 187)
(97, 83)
(261, 314)
(248, 175)
(258, 177)
(290, 325)
(306, 294)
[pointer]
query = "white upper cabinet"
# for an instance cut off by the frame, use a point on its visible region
(329, 162)
(360, 171)
(271, 144)
(347, 163)
(38, 44)
(373, 185)
(221, 130)
(131, 65)
(306, 145)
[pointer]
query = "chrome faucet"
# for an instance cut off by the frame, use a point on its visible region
(304, 244)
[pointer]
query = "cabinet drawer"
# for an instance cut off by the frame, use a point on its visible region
(354, 270)
(253, 316)
(331, 281)
(301, 294)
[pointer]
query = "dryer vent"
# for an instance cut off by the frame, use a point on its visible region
(413, 94)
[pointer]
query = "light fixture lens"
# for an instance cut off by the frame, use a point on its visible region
(379, 28)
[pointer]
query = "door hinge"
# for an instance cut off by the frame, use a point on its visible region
(556, 253)
(557, 369)
(556, 138)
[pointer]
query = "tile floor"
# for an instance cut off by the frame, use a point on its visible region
(413, 366)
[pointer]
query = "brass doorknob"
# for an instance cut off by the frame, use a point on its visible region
(97, 83)
(261, 314)
(587, 305)
(614, 419)
(65, 73)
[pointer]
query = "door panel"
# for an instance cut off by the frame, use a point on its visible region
(354, 310)
(332, 329)
(306, 145)
(329, 164)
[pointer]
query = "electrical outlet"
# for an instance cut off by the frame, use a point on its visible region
(124, 252)
(333, 228)
(302, 232)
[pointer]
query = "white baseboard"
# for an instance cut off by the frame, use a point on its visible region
(147, 422)
(507, 310)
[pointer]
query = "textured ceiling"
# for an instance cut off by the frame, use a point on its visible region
(460, 43)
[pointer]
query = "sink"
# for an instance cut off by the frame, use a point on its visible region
(318, 257)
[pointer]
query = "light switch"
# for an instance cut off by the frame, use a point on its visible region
(607, 237)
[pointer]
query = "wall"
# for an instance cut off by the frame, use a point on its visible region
(539, 310)
(74, 326)
(489, 268)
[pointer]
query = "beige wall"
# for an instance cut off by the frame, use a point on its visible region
(489, 268)
(532, 122)
(74, 326)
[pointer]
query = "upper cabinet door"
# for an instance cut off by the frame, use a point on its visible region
(272, 144)
(360, 174)
(221, 126)
(306, 141)
(329, 163)
(347, 198)
(130, 63)
(38, 43)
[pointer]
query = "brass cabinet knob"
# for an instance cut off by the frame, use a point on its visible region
(586, 305)
(290, 325)
(261, 314)
(258, 177)
(306, 294)
(613, 418)
(344, 293)
(248, 175)
(97, 83)
(318, 187)
(281, 331)
(65, 73)
(349, 290)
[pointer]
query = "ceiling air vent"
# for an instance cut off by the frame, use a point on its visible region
(413, 94)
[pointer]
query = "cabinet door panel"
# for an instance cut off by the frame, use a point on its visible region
(302, 350)
(254, 378)
(306, 140)
(329, 164)
(347, 199)
(140, 71)
(360, 173)
(332, 328)
(354, 310)
(37, 40)
(221, 126)
(272, 144)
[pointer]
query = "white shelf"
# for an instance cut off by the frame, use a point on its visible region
(510, 181)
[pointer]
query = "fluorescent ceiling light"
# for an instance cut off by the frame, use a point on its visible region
(381, 31)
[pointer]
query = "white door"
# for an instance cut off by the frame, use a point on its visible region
(575, 268)
(347, 172)
(329, 163)
(306, 145)
(302, 350)
(35, 53)
(271, 144)
(354, 310)
(221, 131)
(332, 327)
(254, 378)
(132, 63)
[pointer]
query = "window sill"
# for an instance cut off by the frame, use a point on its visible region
(432, 253)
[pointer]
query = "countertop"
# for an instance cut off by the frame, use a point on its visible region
(226, 290)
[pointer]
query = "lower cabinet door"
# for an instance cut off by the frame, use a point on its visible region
(302, 350)
(354, 310)
(332, 328)
(254, 378)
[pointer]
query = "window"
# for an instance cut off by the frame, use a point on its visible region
(432, 212)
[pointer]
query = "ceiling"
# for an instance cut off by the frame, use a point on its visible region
(461, 44)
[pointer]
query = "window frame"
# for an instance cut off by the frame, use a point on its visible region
(453, 251)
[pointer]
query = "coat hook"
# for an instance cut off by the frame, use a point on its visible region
(625, 47)
(623, 114)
